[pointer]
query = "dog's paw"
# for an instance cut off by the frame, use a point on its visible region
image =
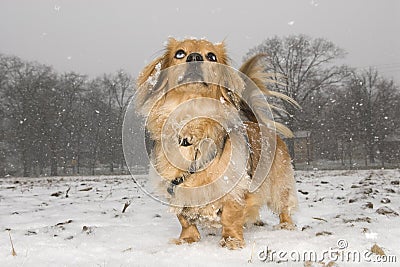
(186, 240)
(285, 226)
(231, 243)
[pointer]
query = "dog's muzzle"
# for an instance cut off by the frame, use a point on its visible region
(193, 73)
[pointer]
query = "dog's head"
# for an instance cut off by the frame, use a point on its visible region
(193, 51)
(194, 58)
(190, 66)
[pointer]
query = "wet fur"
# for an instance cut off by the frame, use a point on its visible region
(240, 206)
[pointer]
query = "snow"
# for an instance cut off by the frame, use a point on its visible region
(78, 221)
(152, 80)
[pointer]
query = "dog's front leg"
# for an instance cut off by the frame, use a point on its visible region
(232, 220)
(189, 233)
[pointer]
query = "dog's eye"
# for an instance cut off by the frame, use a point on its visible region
(211, 57)
(180, 54)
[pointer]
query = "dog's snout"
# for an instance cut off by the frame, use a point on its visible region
(194, 57)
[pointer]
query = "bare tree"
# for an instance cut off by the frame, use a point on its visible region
(119, 89)
(373, 100)
(3, 144)
(62, 107)
(302, 68)
(27, 84)
(364, 113)
(51, 120)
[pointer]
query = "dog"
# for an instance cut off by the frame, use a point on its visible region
(209, 128)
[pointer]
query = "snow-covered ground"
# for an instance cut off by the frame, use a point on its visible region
(78, 221)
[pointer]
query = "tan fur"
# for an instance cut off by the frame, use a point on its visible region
(189, 232)
(240, 205)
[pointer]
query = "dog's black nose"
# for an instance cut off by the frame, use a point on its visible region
(194, 57)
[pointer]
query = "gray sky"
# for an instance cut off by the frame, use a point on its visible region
(97, 36)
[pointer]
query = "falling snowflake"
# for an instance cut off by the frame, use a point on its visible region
(314, 3)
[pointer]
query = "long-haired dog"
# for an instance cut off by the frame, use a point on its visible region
(213, 144)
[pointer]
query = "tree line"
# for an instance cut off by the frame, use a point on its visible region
(349, 112)
(54, 123)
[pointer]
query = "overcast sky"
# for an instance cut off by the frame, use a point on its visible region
(98, 36)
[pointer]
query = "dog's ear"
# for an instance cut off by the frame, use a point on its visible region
(150, 70)
(147, 81)
(231, 85)
(221, 53)
(172, 42)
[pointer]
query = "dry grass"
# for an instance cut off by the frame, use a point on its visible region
(12, 245)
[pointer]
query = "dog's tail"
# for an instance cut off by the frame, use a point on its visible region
(255, 92)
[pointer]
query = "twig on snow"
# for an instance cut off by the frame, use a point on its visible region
(12, 245)
(126, 205)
